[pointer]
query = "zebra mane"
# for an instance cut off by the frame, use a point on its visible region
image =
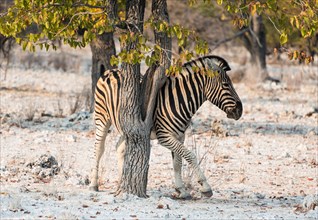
(214, 62)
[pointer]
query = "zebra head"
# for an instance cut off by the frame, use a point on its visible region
(219, 89)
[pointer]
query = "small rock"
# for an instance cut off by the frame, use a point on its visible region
(70, 138)
(285, 155)
(248, 131)
(167, 203)
(3, 168)
(310, 202)
(11, 132)
(40, 140)
(44, 166)
(259, 196)
(302, 147)
(79, 116)
(311, 133)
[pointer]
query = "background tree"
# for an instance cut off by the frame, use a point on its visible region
(103, 48)
(285, 17)
(6, 43)
(264, 27)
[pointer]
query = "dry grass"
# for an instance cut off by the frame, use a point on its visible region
(203, 152)
(29, 112)
(81, 101)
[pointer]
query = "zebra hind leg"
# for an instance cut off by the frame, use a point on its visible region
(180, 188)
(120, 148)
(102, 128)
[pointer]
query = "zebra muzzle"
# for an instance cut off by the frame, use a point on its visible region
(236, 112)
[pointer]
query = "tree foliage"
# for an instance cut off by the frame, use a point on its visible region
(288, 18)
(39, 23)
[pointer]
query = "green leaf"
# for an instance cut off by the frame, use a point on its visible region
(87, 36)
(283, 38)
(24, 45)
(303, 32)
(180, 42)
(114, 61)
(47, 46)
(147, 60)
(179, 35)
(271, 3)
(161, 27)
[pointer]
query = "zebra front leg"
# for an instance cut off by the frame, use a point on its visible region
(99, 148)
(174, 145)
(192, 160)
(205, 187)
(179, 186)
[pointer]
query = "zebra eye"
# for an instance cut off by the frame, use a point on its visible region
(225, 84)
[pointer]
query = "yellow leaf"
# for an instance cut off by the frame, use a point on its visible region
(296, 22)
(295, 55)
(253, 9)
(283, 38)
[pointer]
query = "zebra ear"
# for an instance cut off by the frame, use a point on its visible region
(213, 65)
(217, 63)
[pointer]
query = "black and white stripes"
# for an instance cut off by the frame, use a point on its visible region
(178, 100)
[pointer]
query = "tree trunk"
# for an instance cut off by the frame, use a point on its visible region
(136, 134)
(136, 128)
(103, 47)
(154, 80)
(255, 42)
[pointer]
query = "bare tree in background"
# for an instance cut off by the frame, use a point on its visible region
(6, 43)
(254, 40)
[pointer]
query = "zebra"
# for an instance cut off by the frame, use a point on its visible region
(178, 100)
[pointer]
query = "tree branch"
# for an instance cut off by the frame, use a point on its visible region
(238, 34)
(156, 78)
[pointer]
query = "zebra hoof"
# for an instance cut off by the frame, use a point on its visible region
(181, 194)
(207, 194)
(93, 188)
(185, 196)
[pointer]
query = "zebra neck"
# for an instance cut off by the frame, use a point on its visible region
(211, 91)
(192, 86)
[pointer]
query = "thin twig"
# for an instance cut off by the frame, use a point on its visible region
(75, 15)
(269, 18)
(230, 38)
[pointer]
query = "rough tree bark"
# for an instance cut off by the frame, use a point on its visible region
(255, 42)
(136, 128)
(103, 47)
(136, 160)
(153, 82)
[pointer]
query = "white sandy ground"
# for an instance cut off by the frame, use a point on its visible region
(263, 166)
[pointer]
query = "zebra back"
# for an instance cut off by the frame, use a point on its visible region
(211, 62)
